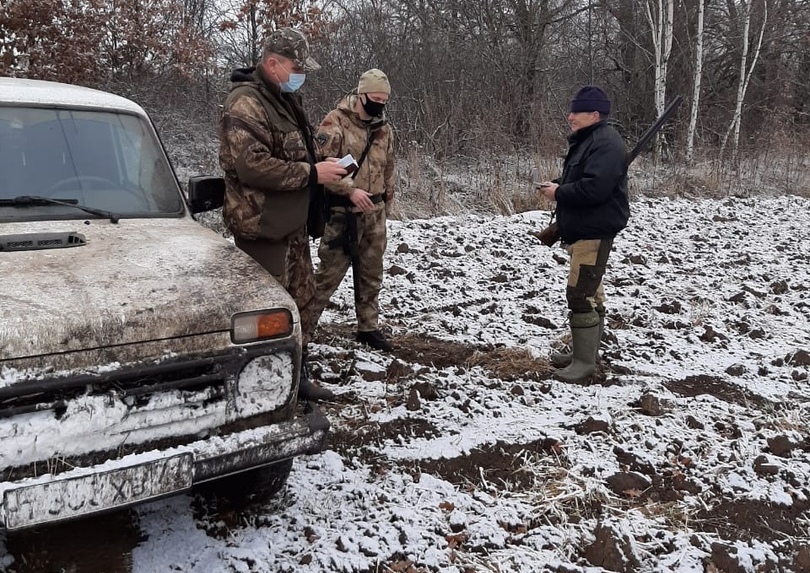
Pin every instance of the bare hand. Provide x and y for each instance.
(329, 171)
(548, 190)
(362, 200)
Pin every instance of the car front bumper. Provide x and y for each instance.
(141, 477)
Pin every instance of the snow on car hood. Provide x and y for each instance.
(135, 281)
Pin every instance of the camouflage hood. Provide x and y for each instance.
(347, 105)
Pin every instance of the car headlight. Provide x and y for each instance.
(264, 384)
(261, 325)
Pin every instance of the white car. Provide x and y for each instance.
(140, 352)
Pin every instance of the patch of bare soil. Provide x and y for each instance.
(423, 349)
(410, 348)
(696, 385)
(502, 465)
(752, 519)
(358, 436)
(504, 363)
(353, 443)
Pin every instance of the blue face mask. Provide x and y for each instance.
(293, 84)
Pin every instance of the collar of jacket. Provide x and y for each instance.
(582, 134)
(240, 75)
(346, 105)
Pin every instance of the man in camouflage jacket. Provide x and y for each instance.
(268, 154)
(355, 233)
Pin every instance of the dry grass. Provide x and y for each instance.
(501, 184)
(510, 363)
(494, 184)
(714, 178)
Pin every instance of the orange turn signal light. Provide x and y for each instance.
(261, 325)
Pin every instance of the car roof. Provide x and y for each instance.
(54, 94)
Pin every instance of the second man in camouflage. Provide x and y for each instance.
(356, 232)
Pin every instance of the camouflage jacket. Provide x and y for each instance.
(267, 154)
(341, 132)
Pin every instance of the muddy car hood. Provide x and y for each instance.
(135, 281)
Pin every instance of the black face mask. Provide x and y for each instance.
(373, 108)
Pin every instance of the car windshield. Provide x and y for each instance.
(99, 159)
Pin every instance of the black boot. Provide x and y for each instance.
(309, 392)
(375, 339)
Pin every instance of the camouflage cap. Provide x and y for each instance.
(373, 81)
(291, 44)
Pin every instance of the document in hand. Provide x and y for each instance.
(348, 163)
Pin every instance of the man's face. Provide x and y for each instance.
(280, 68)
(379, 97)
(580, 119)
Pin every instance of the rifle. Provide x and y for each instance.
(551, 234)
(653, 130)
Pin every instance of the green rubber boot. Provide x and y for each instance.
(563, 359)
(585, 342)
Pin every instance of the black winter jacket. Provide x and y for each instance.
(592, 194)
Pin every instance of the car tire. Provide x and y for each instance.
(258, 484)
(269, 480)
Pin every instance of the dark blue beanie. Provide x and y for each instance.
(591, 98)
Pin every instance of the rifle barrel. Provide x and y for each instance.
(653, 129)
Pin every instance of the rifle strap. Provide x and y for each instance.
(365, 152)
(350, 246)
(339, 200)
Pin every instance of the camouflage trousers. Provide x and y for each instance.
(291, 264)
(584, 291)
(335, 261)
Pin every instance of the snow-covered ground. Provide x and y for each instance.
(689, 452)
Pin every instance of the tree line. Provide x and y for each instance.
(468, 76)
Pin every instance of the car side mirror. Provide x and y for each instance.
(205, 192)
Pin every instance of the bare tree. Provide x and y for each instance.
(746, 70)
(697, 78)
(244, 23)
(660, 15)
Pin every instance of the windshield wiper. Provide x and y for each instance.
(34, 200)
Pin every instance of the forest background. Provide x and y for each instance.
(480, 87)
